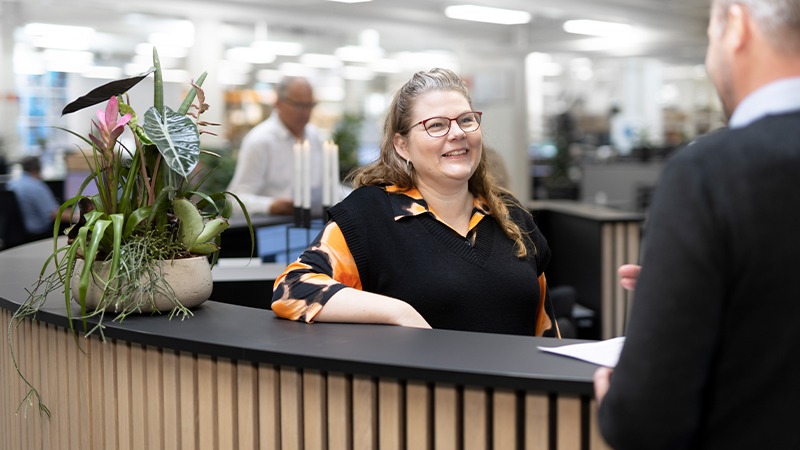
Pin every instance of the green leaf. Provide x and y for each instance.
(187, 101)
(176, 137)
(134, 219)
(191, 221)
(204, 249)
(212, 229)
(105, 92)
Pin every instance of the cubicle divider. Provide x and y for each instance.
(125, 395)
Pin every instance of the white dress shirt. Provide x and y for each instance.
(778, 97)
(264, 169)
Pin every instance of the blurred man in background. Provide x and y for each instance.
(36, 202)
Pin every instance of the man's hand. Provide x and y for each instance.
(282, 207)
(602, 381)
(629, 274)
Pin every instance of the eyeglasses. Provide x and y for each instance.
(299, 105)
(440, 126)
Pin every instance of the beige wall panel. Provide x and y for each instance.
(138, 396)
(226, 411)
(124, 396)
(390, 414)
(418, 415)
(568, 434)
(537, 421)
(247, 404)
(476, 418)
(189, 410)
(94, 359)
(365, 413)
(154, 392)
(608, 272)
(340, 429)
(206, 402)
(596, 441)
(269, 407)
(171, 379)
(291, 409)
(109, 386)
(445, 417)
(505, 419)
(315, 420)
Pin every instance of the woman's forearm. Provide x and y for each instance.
(354, 306)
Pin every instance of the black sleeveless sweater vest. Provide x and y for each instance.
(454, 285)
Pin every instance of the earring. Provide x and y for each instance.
(407, 171)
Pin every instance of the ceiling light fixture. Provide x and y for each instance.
(596, 28)
(350, 1)
(489, 15)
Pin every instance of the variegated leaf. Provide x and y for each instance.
(176, 137)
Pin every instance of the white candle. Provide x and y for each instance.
(335, 190)
(326, 174)
(306, 175)
(297, 195)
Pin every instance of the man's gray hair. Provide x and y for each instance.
(779, 20)
(282, 89)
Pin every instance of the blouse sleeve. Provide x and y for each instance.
(325, 268)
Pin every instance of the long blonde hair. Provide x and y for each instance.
(390, 168)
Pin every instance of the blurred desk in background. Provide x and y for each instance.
(588, 244)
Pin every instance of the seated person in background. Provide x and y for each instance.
(711, 355)
(427, 238)
(264, 176)
(37, 204)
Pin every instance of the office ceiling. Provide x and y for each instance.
(671, 30)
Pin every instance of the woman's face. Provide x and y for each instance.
(440, 162)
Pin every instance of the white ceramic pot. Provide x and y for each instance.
(190, 278)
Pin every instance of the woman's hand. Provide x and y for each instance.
(629, 274)
(411, 318)
(602, 381)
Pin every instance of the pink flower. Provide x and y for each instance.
(110, 128)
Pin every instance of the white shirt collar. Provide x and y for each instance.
(778, 97)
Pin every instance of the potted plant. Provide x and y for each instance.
(148, 219)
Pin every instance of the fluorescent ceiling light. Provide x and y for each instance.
(61, 42)
(249, 55)
(164, 51)
(235, 66)
(269, 76)
(596, 28)
(386, 65)
(278, 47)
(103, 72)
(357, 53)
(329, 93)
(290, 69)
(350, 1)
(321, 61)
(170, 39)
(357, 73)
(486, 14)
(68, 56)
(232, 78)
(48, 29)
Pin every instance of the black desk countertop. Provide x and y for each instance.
(241, 333)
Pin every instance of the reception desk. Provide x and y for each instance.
(232, 377)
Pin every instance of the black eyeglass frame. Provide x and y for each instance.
(449, 123)
(299, 105)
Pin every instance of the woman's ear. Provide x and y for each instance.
(401, 145)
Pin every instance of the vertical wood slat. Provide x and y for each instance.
(315, 420)
(226, 404)
(365, 413)
(568, 421)
(36, 420)
(138, 372)
(73, 388)
(109, 386)
(84, 392)
(247, 403)
(189, 413)
(291, 411)
(63, 340)
(50, 374)
(607, 282)
(476, 418)
(269, 407)
(154, 392)
(505, 418)
(619, 292)
(206, 402)
(537, 421)
(124, 396)
(419, 434)
(171, 396)
(5, 382)
(30, 358)
(633, 238)
(95, 360)
(445, 417)
(596, 441)
(340, 436)
(390, 414)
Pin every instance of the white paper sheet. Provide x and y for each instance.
(603, 353)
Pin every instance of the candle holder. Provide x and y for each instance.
(298, 216)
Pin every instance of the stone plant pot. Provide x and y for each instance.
(190, 278)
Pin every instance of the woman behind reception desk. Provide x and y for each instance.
(428, 238)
